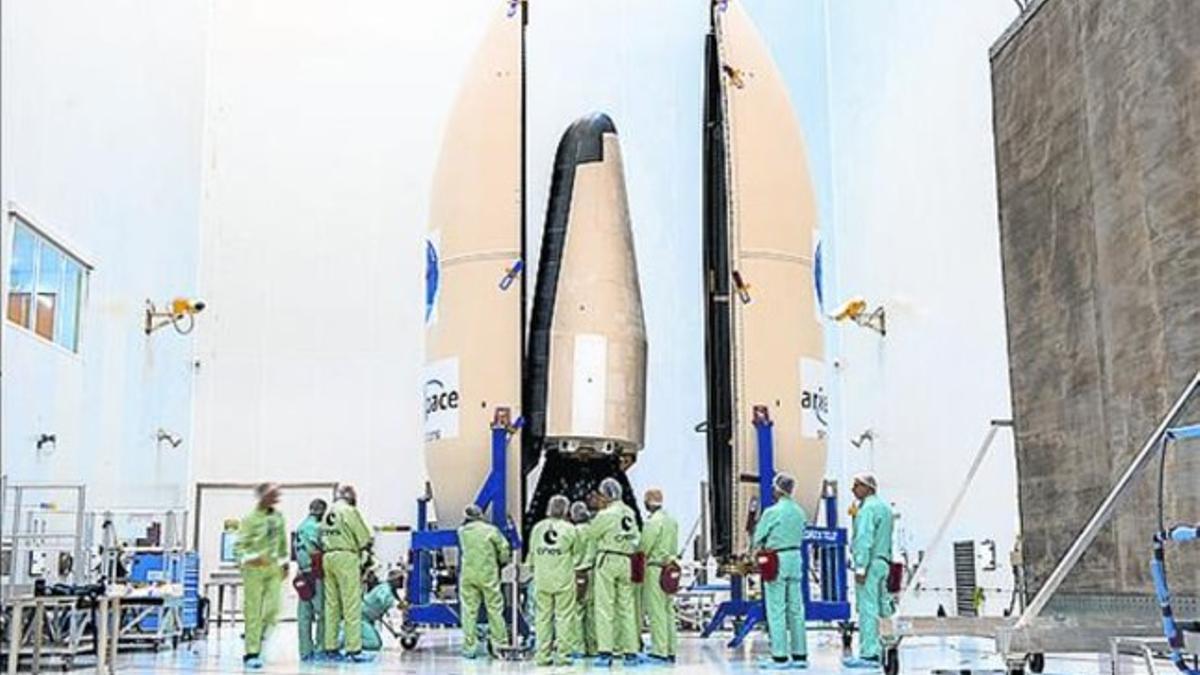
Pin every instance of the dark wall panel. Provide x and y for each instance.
(1097, 122)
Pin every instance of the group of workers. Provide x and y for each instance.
(778, 544)
(596, 578)
(335, 622)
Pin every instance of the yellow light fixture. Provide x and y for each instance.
(179, 310)
(855, 309)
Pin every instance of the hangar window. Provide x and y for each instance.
(45, 286)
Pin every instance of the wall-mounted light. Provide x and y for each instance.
(855, 309)
(174, 315)
(867, 436)
(169, 438)
(989, 545)
(47, 439)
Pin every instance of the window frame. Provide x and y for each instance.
(19, 218)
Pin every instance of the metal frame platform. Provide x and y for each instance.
(1024, 640)
(422, 609)
(833, 604)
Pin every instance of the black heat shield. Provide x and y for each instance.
(718, 337)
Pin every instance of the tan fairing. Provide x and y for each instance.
(597, 381)
(773, 220)
(473, 335)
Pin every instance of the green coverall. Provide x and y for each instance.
(660, 542)
(344, 536)
(584, 625)
(554, 551)
(872, 551)
(378, 602)
(484, 552)
(616, 535)
(262, 548)
(781, 529)
(309, 613)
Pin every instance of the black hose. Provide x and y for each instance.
(1162, 472)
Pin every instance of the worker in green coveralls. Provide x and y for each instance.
(309, 612)
(584, 626)
(484, 552)
(660, 543)
(553, 555)
(616, 537)
(262, 551)
(344, 538)
(871, 549)
(781, 529)
(377, 603)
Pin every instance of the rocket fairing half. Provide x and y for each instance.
(474, 323)
(585, 388)
(763, 333)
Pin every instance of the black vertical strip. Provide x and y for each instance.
(718, 337)
(520, 496)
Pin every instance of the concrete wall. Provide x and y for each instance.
(102, 116)
(915, 231)
(1098, 145)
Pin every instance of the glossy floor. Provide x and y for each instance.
(438, 653)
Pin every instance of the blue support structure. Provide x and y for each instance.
(422, 610)
(1172, 629)
(826, 545)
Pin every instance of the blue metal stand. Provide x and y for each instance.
(422, 610)
(1172, 630)
(825, 545)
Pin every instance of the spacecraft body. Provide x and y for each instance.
(474, 322)
(578, 382)
(585, 373)
(763, 333)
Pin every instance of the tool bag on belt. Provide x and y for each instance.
(637, 567)
(670, 577)
(895, 577)
(767, 562)
(305, 585)
(318, 564)
(581, 584)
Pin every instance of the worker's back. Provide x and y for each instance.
(660, 537)
(484, 552)
(554, 550)
(615, 529)
(308, 541)
(587, 544)
(344, 529)
(781, 528)
(378, 601)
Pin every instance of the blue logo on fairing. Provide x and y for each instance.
(817, 279)
(431, 278)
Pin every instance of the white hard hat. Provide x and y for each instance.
(784, 483)
(579, 512)
(557, 507)
(610, 488)
(867, 479)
